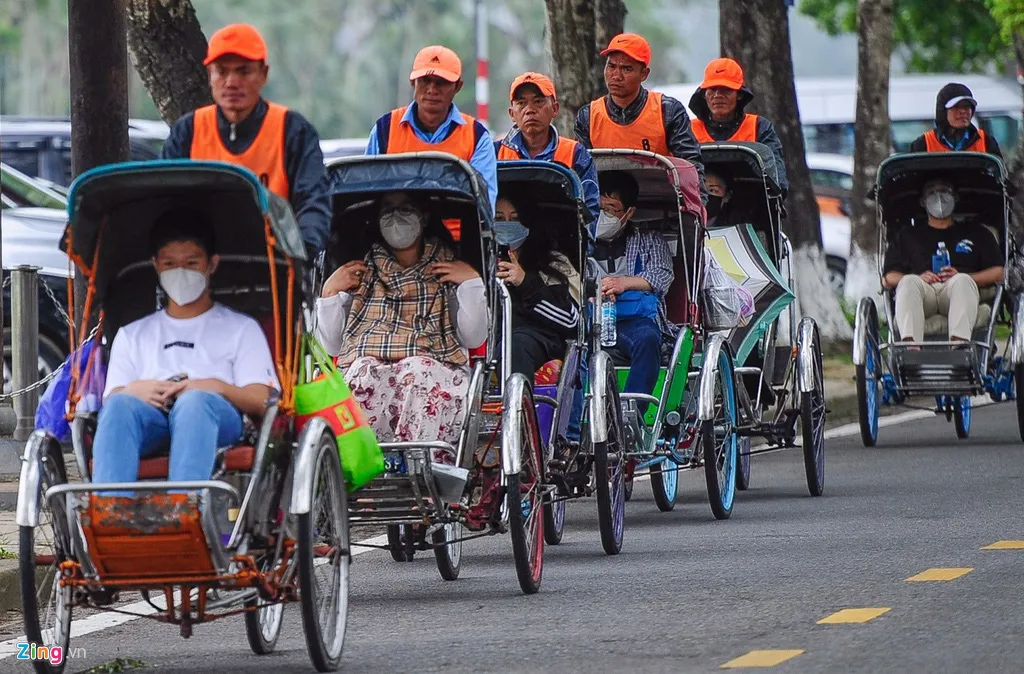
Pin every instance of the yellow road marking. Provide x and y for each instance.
(762, 659)
(940, 574)
(1005, 545)
(853, 615)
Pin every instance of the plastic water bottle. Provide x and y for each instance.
(941, 258)
(608, 318)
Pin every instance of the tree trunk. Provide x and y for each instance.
(577, 31)
(871, 129)
(756, 33)
(1016, 163)
(168, 48)
(99, 93)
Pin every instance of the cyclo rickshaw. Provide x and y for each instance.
(427, 505)
(691, 416)
(891, 371)
(592, 466)
(270, 526)
(780, 391)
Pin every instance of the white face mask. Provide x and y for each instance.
(939, 204)
(608, 226)
(183, 286)
(400, 230)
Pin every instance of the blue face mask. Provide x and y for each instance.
(510, 233)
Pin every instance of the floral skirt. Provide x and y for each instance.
(416, 398)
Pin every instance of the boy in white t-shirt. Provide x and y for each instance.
(223, 356)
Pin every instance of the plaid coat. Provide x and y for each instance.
(397, 313)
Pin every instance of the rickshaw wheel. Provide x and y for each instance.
(524, 501)
(743, 464)
(962, 416)
(325, 526)
(867, 375)
(399, 537)
(665, 485)
(263, 626)
(812, 422)
(629, 474)
(53, 627)
(1018, 392)
(719, 442)
(448, 550)
(554, 522)
(610, 472)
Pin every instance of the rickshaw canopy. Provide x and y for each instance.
(555, 196)
(980, 181)
(666, 183)
(457, 196)
(743, 163)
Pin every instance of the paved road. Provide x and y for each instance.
(689, 594)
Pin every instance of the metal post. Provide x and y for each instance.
(25, 345)
(482, 63)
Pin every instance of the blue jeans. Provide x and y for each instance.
(639, 339)
(130, 429)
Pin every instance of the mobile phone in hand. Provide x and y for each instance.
(503, 253)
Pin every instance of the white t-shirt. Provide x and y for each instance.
(218, 344)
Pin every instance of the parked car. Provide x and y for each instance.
(832, 179)
(33, 223)
(342, 147)
(40, 147)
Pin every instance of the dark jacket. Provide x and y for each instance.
(722, 131)
(678, 135)
(546, 305)
(303, 163)
(954, 139)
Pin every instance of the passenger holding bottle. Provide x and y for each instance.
(940, 267)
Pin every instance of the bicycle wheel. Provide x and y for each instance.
(718, 441)
(324, 576)
(524, 494)
(448, 550)
(263, 624)
(743, 464)
(665, 484)
(554, 522)
(46, 606)
(962, 416)
(812, 422)
(609, 472)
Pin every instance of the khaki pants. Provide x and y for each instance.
(957, 299)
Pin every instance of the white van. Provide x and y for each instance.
(828, 108)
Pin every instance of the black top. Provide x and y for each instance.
(972, 248)
(303, 163)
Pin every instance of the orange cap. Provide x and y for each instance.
(723, 72)
(632, 45)
(542, 82)
(238, 38)
(439, 61)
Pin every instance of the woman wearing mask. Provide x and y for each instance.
(389, 319)
(544, 286)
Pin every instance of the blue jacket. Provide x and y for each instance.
(582, 164)
(303, 163)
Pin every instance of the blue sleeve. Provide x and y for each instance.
(307, 177)
(179, 143)
(581, 128)
(584, 166)
(485, 161)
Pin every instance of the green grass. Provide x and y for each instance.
(116, 665)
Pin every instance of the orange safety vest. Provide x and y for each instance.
(933, 144)
(747, 133)
(402, 138)
(564, 152)
(647, 132)
(265, 157)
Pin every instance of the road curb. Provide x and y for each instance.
(10, 585)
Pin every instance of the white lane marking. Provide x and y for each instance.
(103, 621)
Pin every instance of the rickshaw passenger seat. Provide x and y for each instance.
(237, 459)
